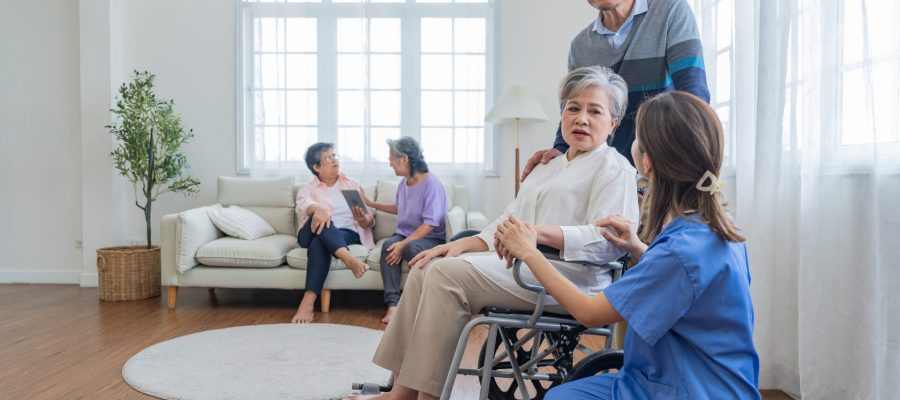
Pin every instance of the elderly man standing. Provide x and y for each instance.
(653, 44)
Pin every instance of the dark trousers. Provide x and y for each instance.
(390, 274)
(319, 250)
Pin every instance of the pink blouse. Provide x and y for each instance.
(315, 193)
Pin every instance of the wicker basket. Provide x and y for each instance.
(128, 272)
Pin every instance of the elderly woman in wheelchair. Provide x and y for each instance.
(687, 302)
(561, 200)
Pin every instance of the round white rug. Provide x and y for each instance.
(281, 361)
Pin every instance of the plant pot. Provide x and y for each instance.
(128, 272)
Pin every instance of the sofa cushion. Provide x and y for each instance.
(374, 259)
(277, 192)
(271, 199)
(240, 223)
(269, 251)
(193, 229)
(385, 224)
(297, 258)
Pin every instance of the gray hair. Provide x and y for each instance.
(596, 76)
(407, 146)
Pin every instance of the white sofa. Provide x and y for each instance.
(197, 254)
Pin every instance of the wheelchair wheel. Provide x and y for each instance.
(508, 388)
(599, 362)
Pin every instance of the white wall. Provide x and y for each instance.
(40, 178)
(190, 46)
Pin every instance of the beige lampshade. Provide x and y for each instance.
(515, 102)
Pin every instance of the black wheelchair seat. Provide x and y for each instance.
(494, 310)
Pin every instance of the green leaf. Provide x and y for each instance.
(148, 137)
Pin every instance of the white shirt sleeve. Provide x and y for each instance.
(614, 192)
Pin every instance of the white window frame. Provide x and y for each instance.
(706, 10)
(852, 158)
(327, 62)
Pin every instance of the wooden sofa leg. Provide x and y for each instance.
(325, 299)
(173, 296)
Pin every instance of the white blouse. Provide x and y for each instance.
(573, 195)
(342, 216)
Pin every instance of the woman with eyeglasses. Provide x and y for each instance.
(328, 224)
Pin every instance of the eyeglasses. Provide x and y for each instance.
(332, 158)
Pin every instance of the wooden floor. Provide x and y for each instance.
(61, 342)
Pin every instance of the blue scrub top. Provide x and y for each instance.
(690, 319)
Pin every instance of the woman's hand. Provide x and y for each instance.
(514, 240)
(320, 220)
(395, 253)
(365, 198)
(451, 249)
(622, 233)
(362, 218)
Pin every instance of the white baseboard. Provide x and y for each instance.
(54, 277)
(89, 280)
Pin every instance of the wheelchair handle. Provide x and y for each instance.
(541, 291)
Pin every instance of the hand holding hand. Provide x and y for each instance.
(622, 233)
(516, 239)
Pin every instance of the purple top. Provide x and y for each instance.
(425, 203)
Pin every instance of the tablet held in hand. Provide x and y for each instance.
(354, 199)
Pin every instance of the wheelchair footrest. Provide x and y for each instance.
(367, 388)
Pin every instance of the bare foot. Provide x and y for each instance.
(389, 314)
(304, 313)
(358, 267)
(303, 316)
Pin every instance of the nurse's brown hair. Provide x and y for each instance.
(683, 137)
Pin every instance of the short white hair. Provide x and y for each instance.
(600, 77)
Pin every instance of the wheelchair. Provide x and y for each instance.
(527, 353)
(539, 359)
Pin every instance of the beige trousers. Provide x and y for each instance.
(437, 302)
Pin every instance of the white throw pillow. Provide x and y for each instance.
(240, 223)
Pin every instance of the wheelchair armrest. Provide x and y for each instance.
(541, 291)
(615, 266)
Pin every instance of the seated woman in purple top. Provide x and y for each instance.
(421, 207)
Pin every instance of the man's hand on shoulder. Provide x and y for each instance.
(539, 157)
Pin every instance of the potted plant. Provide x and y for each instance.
(148, 136)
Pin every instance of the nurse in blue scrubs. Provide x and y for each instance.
(687, 302)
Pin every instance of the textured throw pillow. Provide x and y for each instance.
(240, 223)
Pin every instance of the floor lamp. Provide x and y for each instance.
(516, 103)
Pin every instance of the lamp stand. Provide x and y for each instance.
(517, 157)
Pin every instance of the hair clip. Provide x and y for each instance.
(714, 186)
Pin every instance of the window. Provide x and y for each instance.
(793, 93)
(869, 72)
(715, 20)
(356, 73)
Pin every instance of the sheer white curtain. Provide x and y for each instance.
(817, 186)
